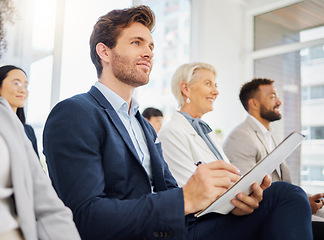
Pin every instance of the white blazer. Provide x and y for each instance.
(183, 147)
(42, 215)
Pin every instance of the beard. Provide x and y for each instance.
(126, 70)
(271, 116)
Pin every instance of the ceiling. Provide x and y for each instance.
(299, 16)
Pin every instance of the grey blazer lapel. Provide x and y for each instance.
(258, 134)
(285, 173)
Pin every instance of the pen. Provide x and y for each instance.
(198, 163)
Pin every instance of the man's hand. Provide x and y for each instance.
(247, 204)
(316, 202)
(207, 183)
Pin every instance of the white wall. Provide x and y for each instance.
(218, 35)
(222, 35)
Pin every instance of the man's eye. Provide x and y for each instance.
(135, 42)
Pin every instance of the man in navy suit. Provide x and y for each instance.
(106, 164)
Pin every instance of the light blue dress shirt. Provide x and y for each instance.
(131, 124)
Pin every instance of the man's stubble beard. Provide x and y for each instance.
(125, 70)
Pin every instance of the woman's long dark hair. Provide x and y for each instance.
(4, 70)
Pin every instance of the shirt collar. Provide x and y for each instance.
(263, 129)
(119, 104)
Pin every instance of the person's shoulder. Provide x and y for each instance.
(173, 129)
(244, 128)
(76, 103)
(240, 133)
(171, 125)
(78, 99)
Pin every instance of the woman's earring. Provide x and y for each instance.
(188, 100)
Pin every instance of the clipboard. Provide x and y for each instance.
(265, 166)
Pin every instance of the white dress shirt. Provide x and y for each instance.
(268, 137)
(131, 124)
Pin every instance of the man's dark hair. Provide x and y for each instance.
(249, 89)
(152, 112)
(108, 28)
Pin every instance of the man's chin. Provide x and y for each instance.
(276, 118)
(140, 83)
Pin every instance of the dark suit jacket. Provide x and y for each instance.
(95, 170)
(32, 137)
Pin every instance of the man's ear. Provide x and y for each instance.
(103, 52)
(253, 104)
(184, 87)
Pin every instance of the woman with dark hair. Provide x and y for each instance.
(14, 88)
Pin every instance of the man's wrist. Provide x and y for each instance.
(188, 206)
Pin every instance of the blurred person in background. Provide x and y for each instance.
(14, 88)
(29, 206)
(153, 116)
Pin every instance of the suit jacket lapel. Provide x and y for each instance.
(157, 170)
(113, 116)
(258, 134)
(285, 173)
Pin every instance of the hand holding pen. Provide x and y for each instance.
(243, 203)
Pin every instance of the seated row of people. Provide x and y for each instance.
(106, 163)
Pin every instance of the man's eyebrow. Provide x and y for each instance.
(142, 39)
(139, 38)
(20, 80)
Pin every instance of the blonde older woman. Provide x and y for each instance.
(186, 139)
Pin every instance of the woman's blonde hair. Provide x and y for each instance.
(185, 73)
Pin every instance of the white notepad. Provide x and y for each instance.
(265, 166)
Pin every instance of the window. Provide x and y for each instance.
(289, 45)
(52, 45)
(172, 27)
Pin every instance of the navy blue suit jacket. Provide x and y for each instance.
(96, 171)
(32, 137)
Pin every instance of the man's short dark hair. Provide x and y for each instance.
(152, 112)
(249, 89)
(108, 28)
